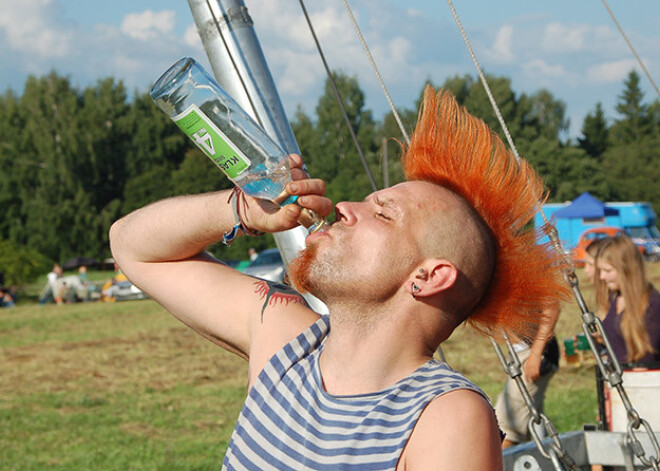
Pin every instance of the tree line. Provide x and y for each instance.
(75, 160)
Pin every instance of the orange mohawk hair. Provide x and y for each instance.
(457, 151)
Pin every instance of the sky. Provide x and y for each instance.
(570, 47)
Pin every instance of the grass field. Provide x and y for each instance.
(117, 386)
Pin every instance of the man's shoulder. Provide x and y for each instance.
(457, 430)
(461, 405)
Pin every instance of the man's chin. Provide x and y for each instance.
(300, 267)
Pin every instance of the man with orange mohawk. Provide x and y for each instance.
(399, 271)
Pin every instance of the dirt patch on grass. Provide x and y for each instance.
(155, 361)
(141, 430)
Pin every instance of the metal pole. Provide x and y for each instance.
(386, 166)
(239, 65)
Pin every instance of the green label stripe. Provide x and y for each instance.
(212, 141)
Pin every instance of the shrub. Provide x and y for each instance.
(21, 265)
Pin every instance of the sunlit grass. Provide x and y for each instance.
(112, 386)
(118, 386)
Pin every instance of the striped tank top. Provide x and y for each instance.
(288, 422)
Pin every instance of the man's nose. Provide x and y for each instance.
(347, 212)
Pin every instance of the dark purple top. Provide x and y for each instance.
(612, 326)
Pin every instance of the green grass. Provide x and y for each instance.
(119, 386)
(112, 386)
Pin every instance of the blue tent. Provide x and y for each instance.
(586, 206)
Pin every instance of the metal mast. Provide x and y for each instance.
(239, 65)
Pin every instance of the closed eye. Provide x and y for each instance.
(385, 206)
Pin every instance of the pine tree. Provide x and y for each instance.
(595, 133)
(634, 122)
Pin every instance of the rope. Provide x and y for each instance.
(607, 362)
(378, 76)
(641, 63)
(484, 82)
(340, 101)
(556, 452)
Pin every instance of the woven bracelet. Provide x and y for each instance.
(229, 236)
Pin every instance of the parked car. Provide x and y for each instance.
(268, 265)
(649, 238)
(125, 291)
(239, 265)
(588, 236)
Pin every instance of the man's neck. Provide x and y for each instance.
(370, 349)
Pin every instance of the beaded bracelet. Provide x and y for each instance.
(229, 236)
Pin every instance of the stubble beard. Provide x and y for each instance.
(321, 276)
(316, 274)
(326, 275)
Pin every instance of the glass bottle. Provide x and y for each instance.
(226, 134)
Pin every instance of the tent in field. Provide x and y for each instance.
(586, 206)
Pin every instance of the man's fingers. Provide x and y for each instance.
(312, 186)
(295, 161)
(319, 204)
(296, 166)
(284, 219)
(311, 193)
(298, 174)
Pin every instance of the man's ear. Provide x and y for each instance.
(432, 277)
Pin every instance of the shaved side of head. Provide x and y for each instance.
(455, 231)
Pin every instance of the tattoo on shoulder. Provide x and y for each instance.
(276, 293)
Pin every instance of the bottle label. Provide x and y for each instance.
(212, 141)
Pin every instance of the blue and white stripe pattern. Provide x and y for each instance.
(288, 422)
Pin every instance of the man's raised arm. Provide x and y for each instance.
(161, 248)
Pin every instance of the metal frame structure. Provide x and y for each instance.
(239, 66)
(585, 447)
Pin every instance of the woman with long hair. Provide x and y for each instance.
(631, 303)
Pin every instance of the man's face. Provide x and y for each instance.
(372, 247)
(609, 275)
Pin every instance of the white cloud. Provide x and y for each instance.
(300, 76)
(290, 49)
(148, 24)
(562, 38)
(191, 37)
(413, 13)
(614, 71)
(502, 49)
(539, 68)
(31, 28)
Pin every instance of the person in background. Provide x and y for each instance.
(253, 254)
(83, 291)
(630, 304)
(540, 361)
(51, 292)
(109, 287)
(6, 298)
(82, 274)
